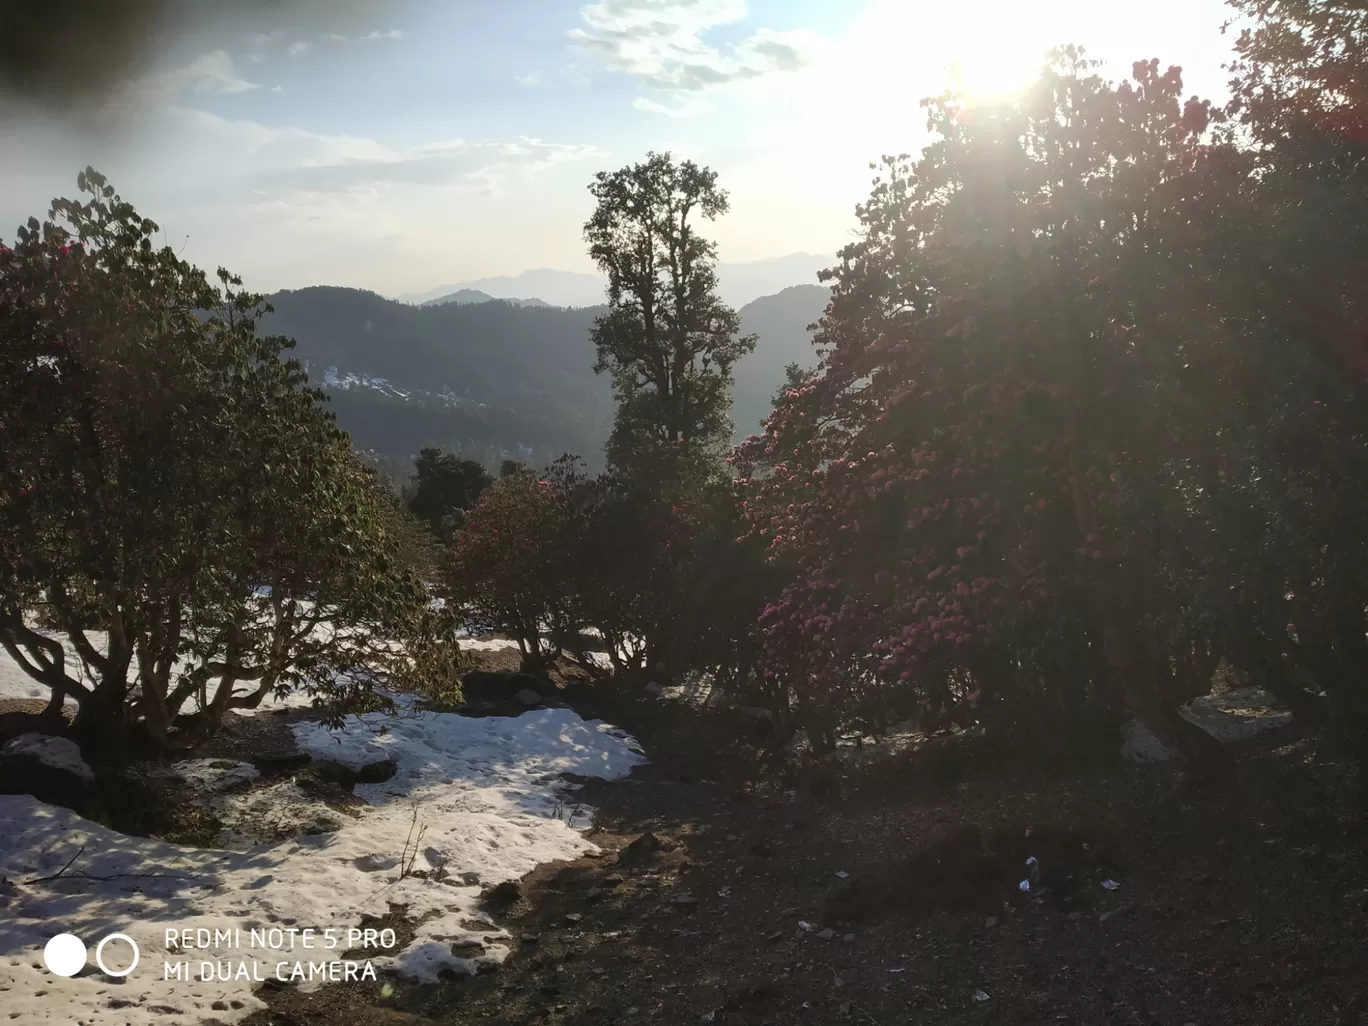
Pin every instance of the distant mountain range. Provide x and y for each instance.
(492, 379)
(738, 284)
(476, 296)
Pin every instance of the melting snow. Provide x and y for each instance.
(472, 800)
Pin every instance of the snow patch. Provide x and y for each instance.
(473, 799)
(487, 645)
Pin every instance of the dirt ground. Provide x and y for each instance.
(717, 899)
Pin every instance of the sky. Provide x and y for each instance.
(402, 145)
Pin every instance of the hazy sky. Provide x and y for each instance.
(436, 141)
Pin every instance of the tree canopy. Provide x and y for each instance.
(667, 340)
(173, 497)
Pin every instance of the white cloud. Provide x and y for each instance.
(282, 161)
(277, 89)
(298, 47)
(213, 72)
(532, 78)
(335, 37)
(484, 164)
(391, 34)
(687, 108)
(662, 45)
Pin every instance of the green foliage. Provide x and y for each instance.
(446, 486)
(167, 478)
(667, 340)
(1299, 73)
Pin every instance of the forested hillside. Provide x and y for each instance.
(492, 379)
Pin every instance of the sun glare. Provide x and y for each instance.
(986, 48)
(991, 68)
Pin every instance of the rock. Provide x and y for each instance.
(497, 690)
(573, 917)
(467, 944)
(654, 688)
(1140, 744)
(321, 824)
(593, 894)
(528, 938)
(331, 772)
(507, 893)
(827, 934)
(470, 879)
(528, 698)
(686, 901)
(377, 772)
(56, 753)
(48, 767)
(641, 848)
(278, 765)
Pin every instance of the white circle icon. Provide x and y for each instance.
(99, 955)
(65, 955)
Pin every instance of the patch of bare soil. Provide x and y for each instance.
(892, 900)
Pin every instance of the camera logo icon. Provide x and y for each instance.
(66, 955)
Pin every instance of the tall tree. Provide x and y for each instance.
(667, 340)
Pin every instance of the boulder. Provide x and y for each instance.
(48, 767)
(503, 693)
(331, 772)
(504, 894)
(1140, 744)
(377, 772)
(279, 764)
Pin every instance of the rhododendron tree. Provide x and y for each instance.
(174, 497)
(1290, 548)
(509, 565)
(968, 488)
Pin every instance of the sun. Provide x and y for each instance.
(982, 47)
(991, 68)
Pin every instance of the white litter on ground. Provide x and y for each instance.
(473, 800)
